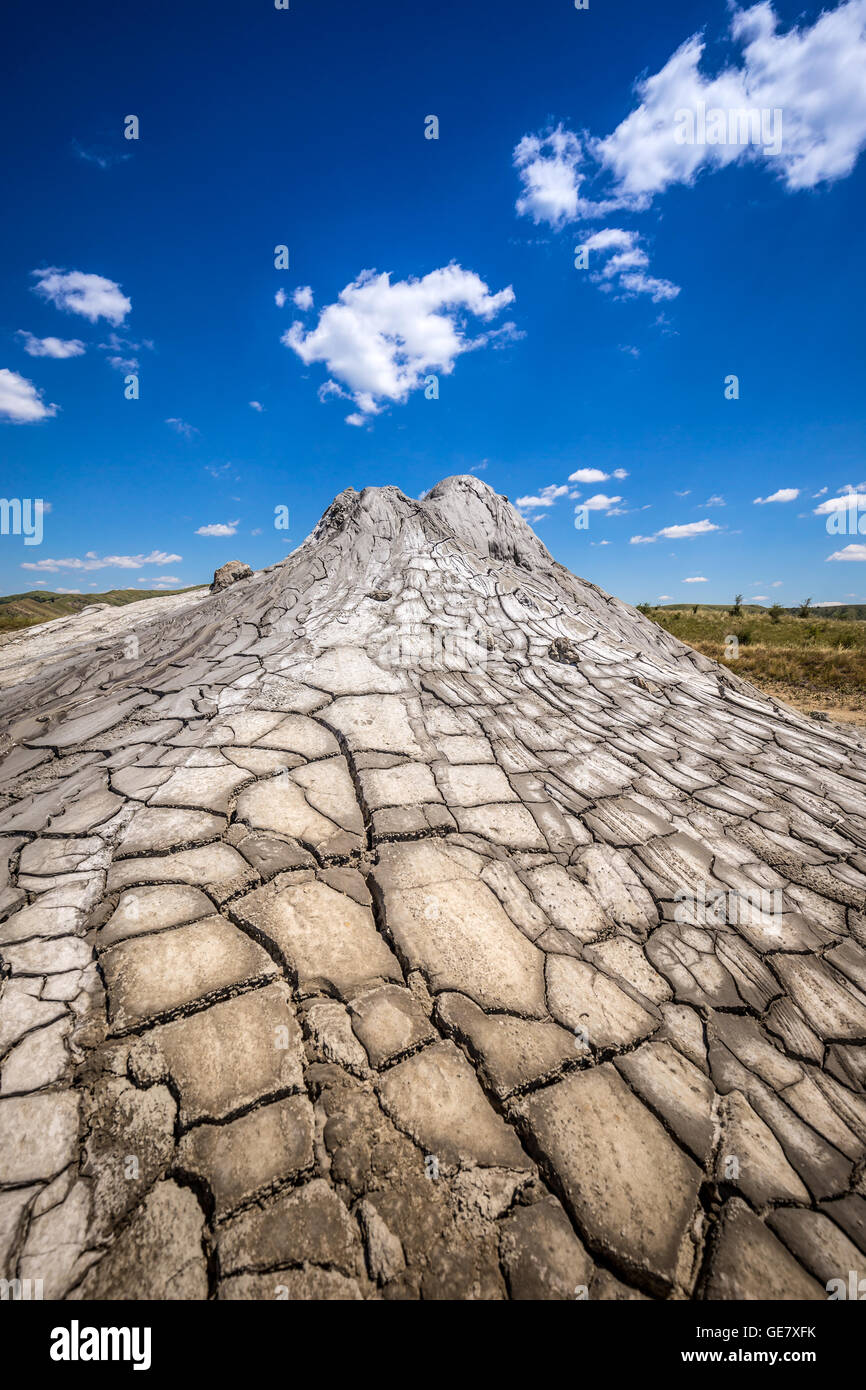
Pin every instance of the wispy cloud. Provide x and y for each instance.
(51, 347)
(546, 497)
(100, 155)
(92, 296)
(120, 352)
(92, 561)
(626, 264)
(181, 427)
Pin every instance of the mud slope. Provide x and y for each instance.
(413, 919)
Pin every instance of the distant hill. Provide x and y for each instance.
(40, 606)
(854, 611)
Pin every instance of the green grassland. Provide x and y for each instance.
(38, 606)
(816, 661)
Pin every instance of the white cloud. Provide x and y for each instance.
(91, 296)
(638, 283)
(793, 101)
(678, 533)
(303, 297)
(615, 239)
(547, 165)
(715, 501)
(595, 475)
(759, 598)
(851, 552)
(121, 350)
(545, 498)
(854, 500)
(814, 76)
(696, 579)
(599, 503)
(51, 347)
(20, 401)
(691, 528)
(67, 591)
(784, 494)
(218, 528)
(821, 492)
(181, 427)
(92, 561)
(280, 298)
(626, 265)
(257, 405)
(381, 339)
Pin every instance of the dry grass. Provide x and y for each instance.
(812, 663)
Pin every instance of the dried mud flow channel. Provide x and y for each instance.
(344, 950)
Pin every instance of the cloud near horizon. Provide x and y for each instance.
(92, 561)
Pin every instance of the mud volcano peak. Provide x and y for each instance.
(461, 507)
(423, 922)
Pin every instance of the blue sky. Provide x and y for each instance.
(306, 128)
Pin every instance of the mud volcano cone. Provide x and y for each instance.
(414, 919)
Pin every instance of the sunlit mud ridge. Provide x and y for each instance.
(414, 920)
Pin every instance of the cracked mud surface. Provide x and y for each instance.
(341, 959)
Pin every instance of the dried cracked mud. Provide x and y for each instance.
(377, 931)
